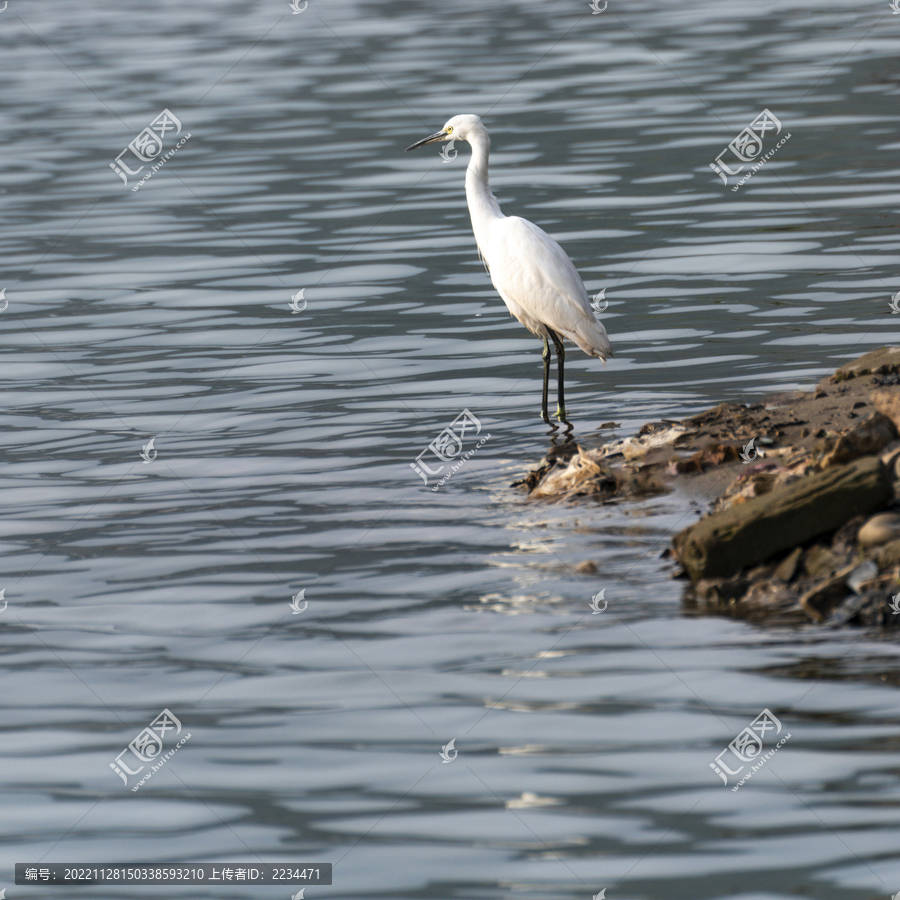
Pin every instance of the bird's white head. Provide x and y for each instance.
(459, 128)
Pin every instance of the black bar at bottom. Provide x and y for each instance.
(299, 874)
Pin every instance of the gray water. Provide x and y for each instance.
(285, 440)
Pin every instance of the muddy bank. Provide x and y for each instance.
(799, 493)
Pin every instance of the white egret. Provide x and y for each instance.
(537, 281)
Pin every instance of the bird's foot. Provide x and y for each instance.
(561, 414)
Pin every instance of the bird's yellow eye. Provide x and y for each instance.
(449, 129)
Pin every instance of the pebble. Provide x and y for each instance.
(879, 530)
(860, 575)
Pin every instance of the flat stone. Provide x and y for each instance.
(887, 402)
(737, 537)
(879, 530)
(787, 568)
(883, 361)
(864, 439)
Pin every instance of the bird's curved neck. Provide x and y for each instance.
(482, 203)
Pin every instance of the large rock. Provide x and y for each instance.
(725, 542)
(887, 402)
(867, 438)
(883, 361)
(879, 529)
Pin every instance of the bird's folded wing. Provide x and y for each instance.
(530, 268)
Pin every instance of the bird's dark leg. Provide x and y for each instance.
(560, 362)
(545, 356)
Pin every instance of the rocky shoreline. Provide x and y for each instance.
(803, 518)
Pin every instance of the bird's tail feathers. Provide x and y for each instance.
(591, 338)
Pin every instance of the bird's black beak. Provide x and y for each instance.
(437, 136)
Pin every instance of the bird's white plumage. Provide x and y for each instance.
(536, 279)
(541, 286)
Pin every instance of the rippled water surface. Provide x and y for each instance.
(285, 440)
